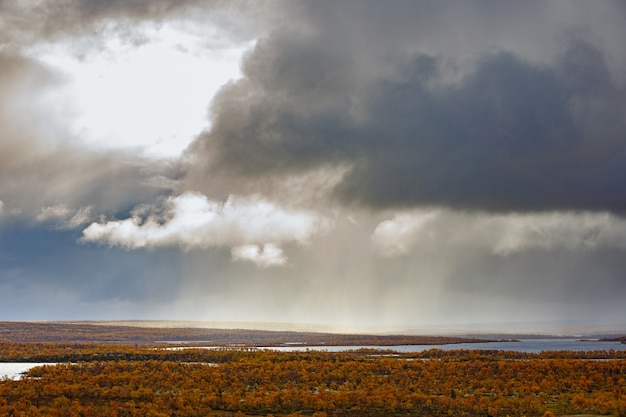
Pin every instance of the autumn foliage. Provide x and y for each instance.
(121, 380)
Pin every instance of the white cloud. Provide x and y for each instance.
(559, 230)
(1, 207)
(65, 217)
(191, 220)
(263, 256)
(396, 236)
(500, 234)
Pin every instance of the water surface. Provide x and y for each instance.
(14, 370)
(523, 345)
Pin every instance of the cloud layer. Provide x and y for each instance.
(429, 162)
(502, 131)
(502, 234)
(252, 225)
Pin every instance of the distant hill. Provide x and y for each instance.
(103, 332)
(621, 338)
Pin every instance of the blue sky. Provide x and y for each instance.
(344, 163)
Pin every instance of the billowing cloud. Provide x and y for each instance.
(508, 130)
(255, 226)
(500, 234)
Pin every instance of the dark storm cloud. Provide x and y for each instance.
(515, 126)
(505, 138)
(295, 126)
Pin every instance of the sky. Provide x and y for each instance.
(352, 163)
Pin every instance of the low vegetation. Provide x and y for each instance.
(106, 379)
(119, 380)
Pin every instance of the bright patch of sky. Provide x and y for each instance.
(150, 93)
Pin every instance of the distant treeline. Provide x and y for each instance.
(614, 339)
(59, 332)
(88, 352)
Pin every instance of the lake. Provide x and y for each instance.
(14, 370)
(523, 345)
